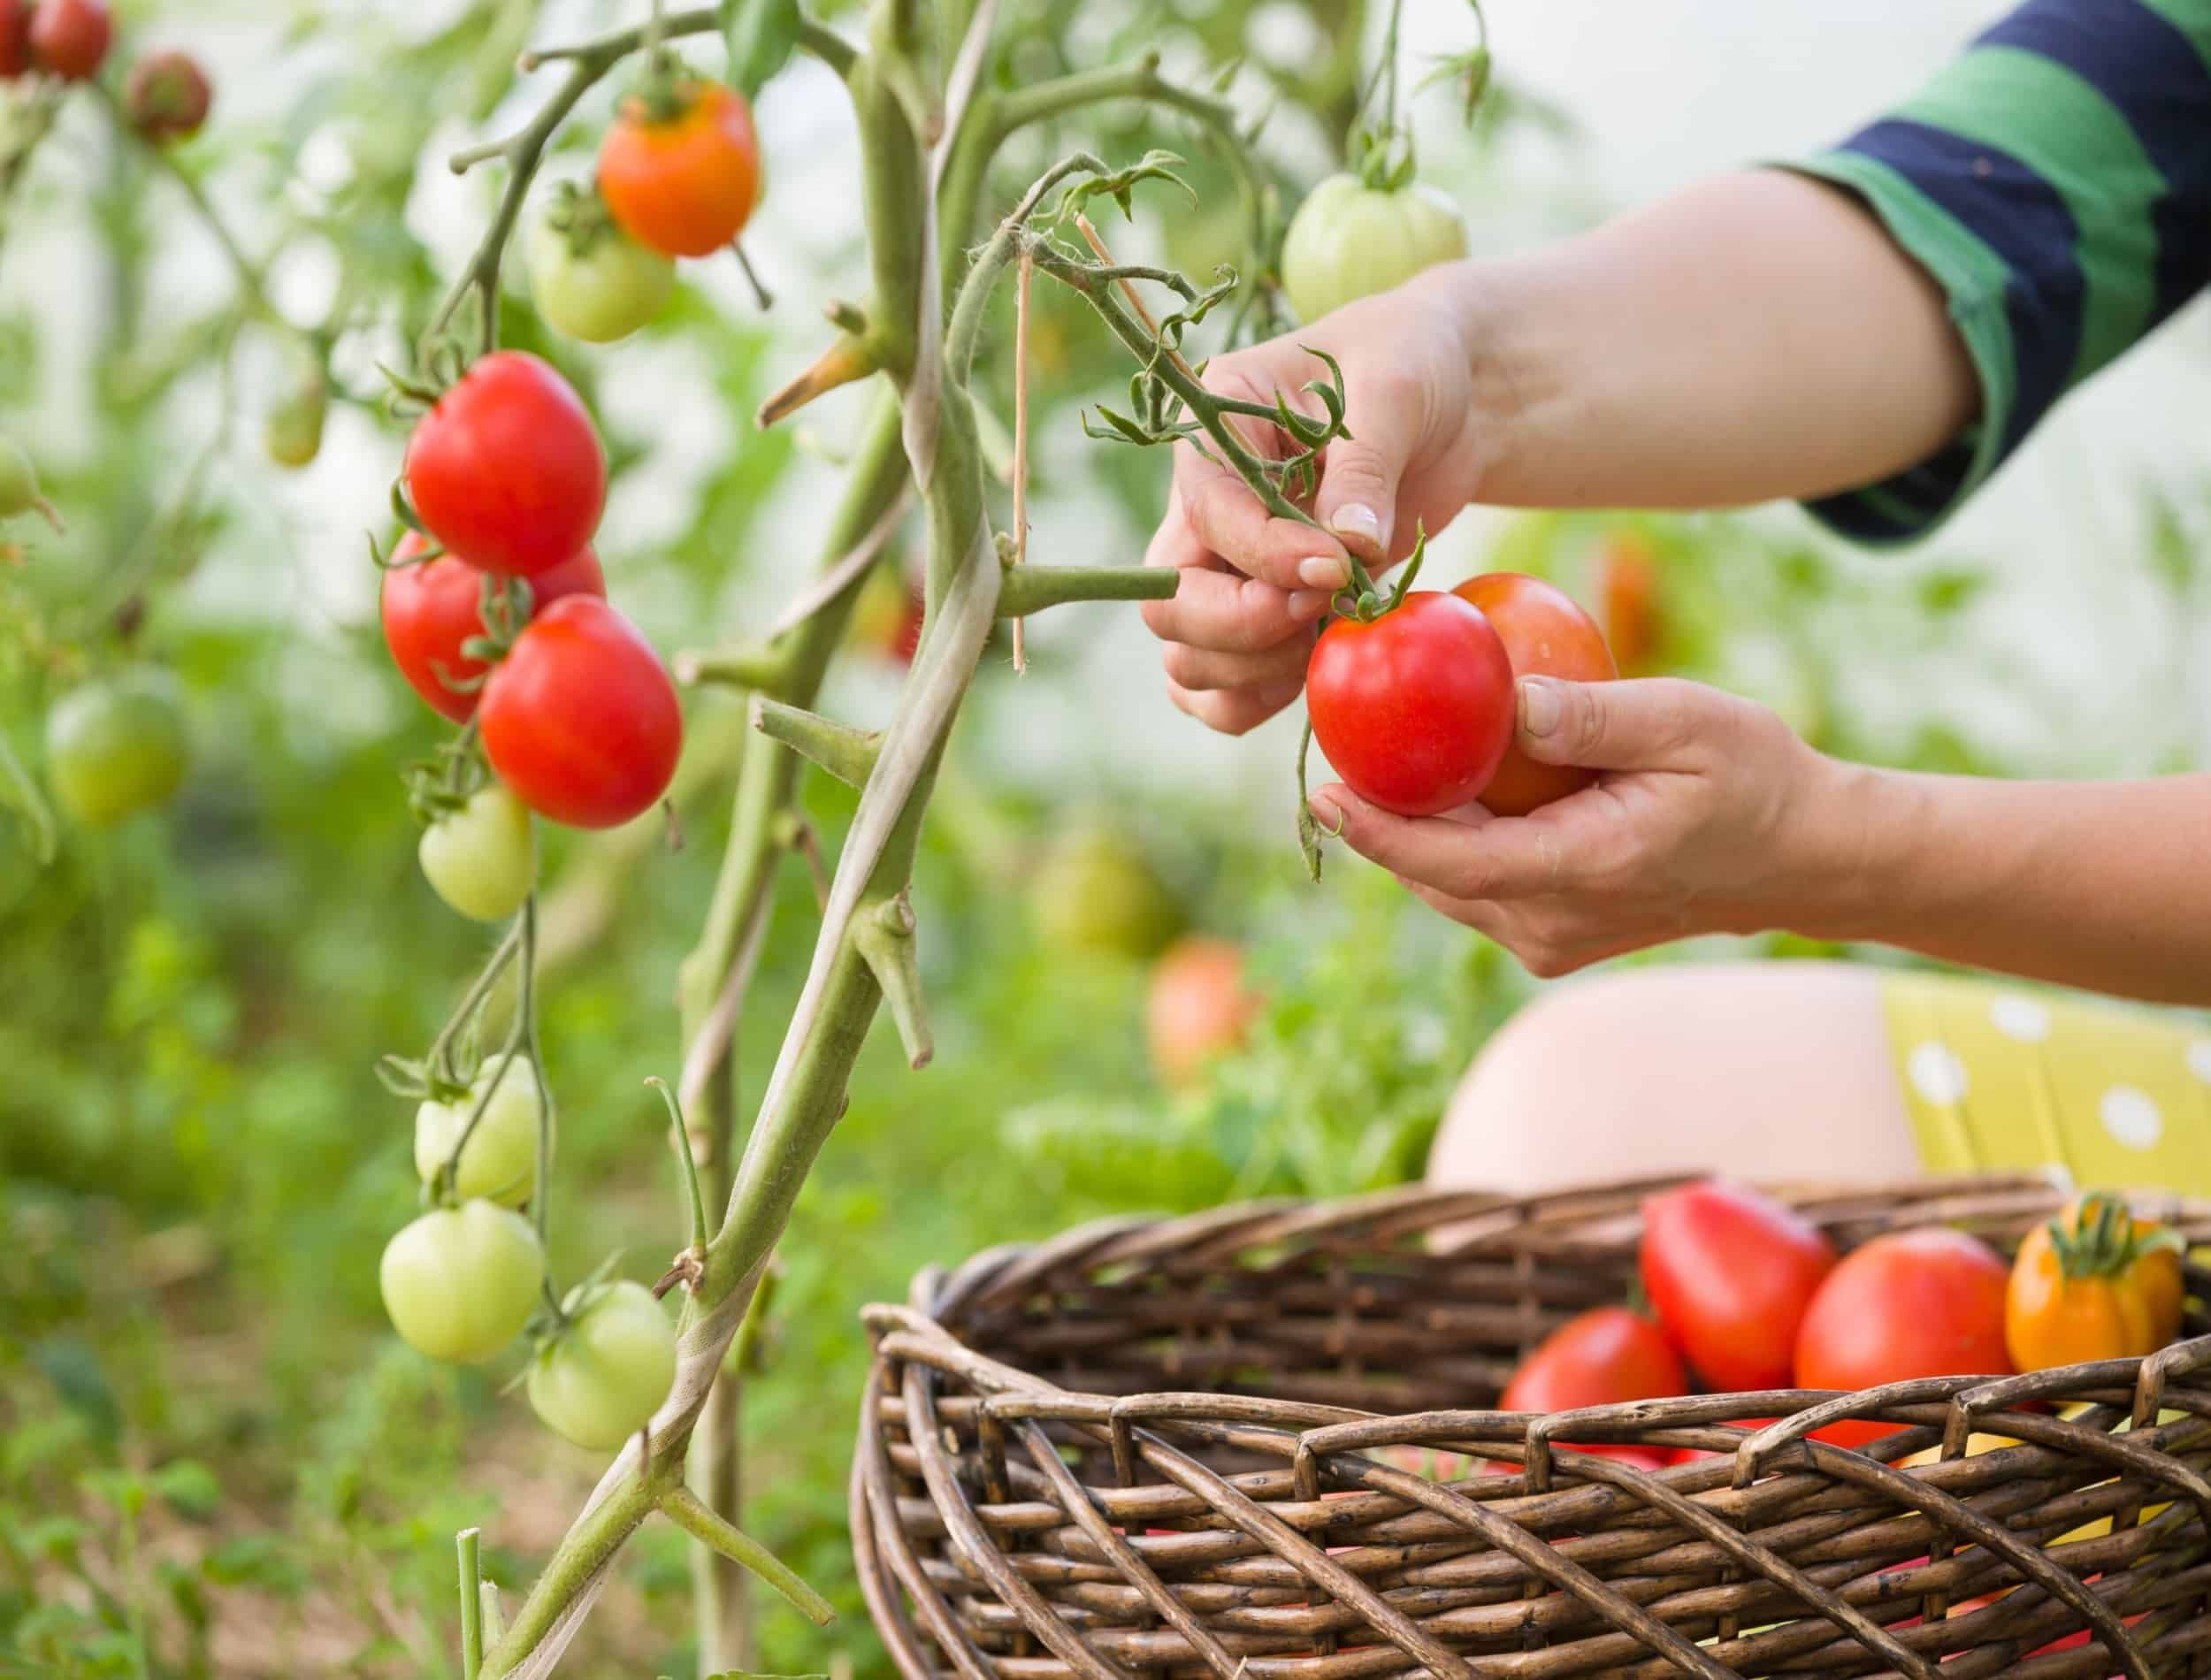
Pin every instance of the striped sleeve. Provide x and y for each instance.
(2056, 181)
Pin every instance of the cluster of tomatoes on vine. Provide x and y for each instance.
(494, 609)
(166, 95)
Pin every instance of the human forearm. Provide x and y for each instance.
(2094, 884)
(1751, 337)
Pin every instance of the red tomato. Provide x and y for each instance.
(15, 38)
(1413, 709)
(429, 610)
(1730, 1273)
(682, 182)
(1545, 634)
(167, 96)
(1628, 586)
(71, 37)
(1197, 1007)
(1914, 1303)
(580, 718)
(1600, 1358)
(506, 469)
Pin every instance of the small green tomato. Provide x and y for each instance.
(460, 1283)
(117, 746)
(591, 279)
(1350, 241)
(292, 432)
(482, 859)
(1095, 893)
(604, 1377)
(500, 1161)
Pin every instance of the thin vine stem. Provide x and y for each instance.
(699, 1228)
(472, 1000)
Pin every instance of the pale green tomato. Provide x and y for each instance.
(603, 291)
(1349, 241)
(500, 1161)
(482, 859)
(460, 1283)
(116, 746)
(604, 1377)
(1096, 892)
(292, 432)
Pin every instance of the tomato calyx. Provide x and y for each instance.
(581, 217)
(2104, 1240)
(664, 92)
(1362, 600)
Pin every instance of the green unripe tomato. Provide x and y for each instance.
(1350, 241)
(1096, 893)
(117, 745)
(482, 859)
(460, 1283)
(500, 1162)
(292, 432)
(591, 279)
(604, 1377)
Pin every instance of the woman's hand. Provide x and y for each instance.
(1708, 816)
(1254, 587)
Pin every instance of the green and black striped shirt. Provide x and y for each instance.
(2055, 180)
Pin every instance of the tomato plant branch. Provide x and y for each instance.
(471, 1604)
(689, 1166)
(1030, 589)
(684, 1509)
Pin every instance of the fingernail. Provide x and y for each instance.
(1325, 571)
(1540, 707)
(1325, 809)
(1356, 519)
(1306, 603)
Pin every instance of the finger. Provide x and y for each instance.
(1358, 497)
(1231, 521)
(1197, 667)
(1495, 857)
(1481, 916)
(1229, 613)
(1649, 723)
(1234, 711)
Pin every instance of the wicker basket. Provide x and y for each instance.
(1153, 1448)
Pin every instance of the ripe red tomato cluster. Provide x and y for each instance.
(1749, 1295)
(578, 716)
(167, 96)
(1414, 704)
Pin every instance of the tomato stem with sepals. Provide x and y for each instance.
(471, 1604)
(689, 1166)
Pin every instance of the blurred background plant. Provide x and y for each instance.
(214, 1458)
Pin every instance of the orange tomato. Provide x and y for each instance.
(1199, 1007)
(1545, 634)
(1628, 587)
(2094, 1283)
(681, 172)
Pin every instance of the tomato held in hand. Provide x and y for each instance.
(1545, 634)
(680, 168)
(431, 607)
(500, 1163)
(1351, 240)
(1198, 1008)
(1730, 1273)
(1913, 1303)
(482, 859)
(167, 96)
(71, 37)
(506, 469)
(1602, 1358)
(602, 1378)
(460, 1283)
(118, 747)
(1414, 708)
(580, 718)
(591, 279)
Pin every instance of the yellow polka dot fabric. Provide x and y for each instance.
(2000, 1078)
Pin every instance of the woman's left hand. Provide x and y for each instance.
(1707, 815)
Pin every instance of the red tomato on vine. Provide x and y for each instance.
(71, 37)
(680, 167)
(1413, 706)
(431, 609)
(580, 718)
(506, 469)
(1545, 634)
(167, 96)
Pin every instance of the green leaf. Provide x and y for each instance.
(762, 34)
(74, 1370)
(189, 1488)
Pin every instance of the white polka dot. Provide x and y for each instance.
(2020, 1017)
(1935, 1074)
(2199, 1058)
(2131, 1117)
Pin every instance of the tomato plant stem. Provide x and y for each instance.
(683, 1509)
(690, 1167)
(471, 1605)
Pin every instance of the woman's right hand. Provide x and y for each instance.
(1241, 626)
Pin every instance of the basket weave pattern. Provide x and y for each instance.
(1194, 1446)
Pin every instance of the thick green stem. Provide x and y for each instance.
(471, 1605)
(1030, 589)
(683, 1509)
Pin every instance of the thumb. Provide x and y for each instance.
(1358, 497)
(1652, 723)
